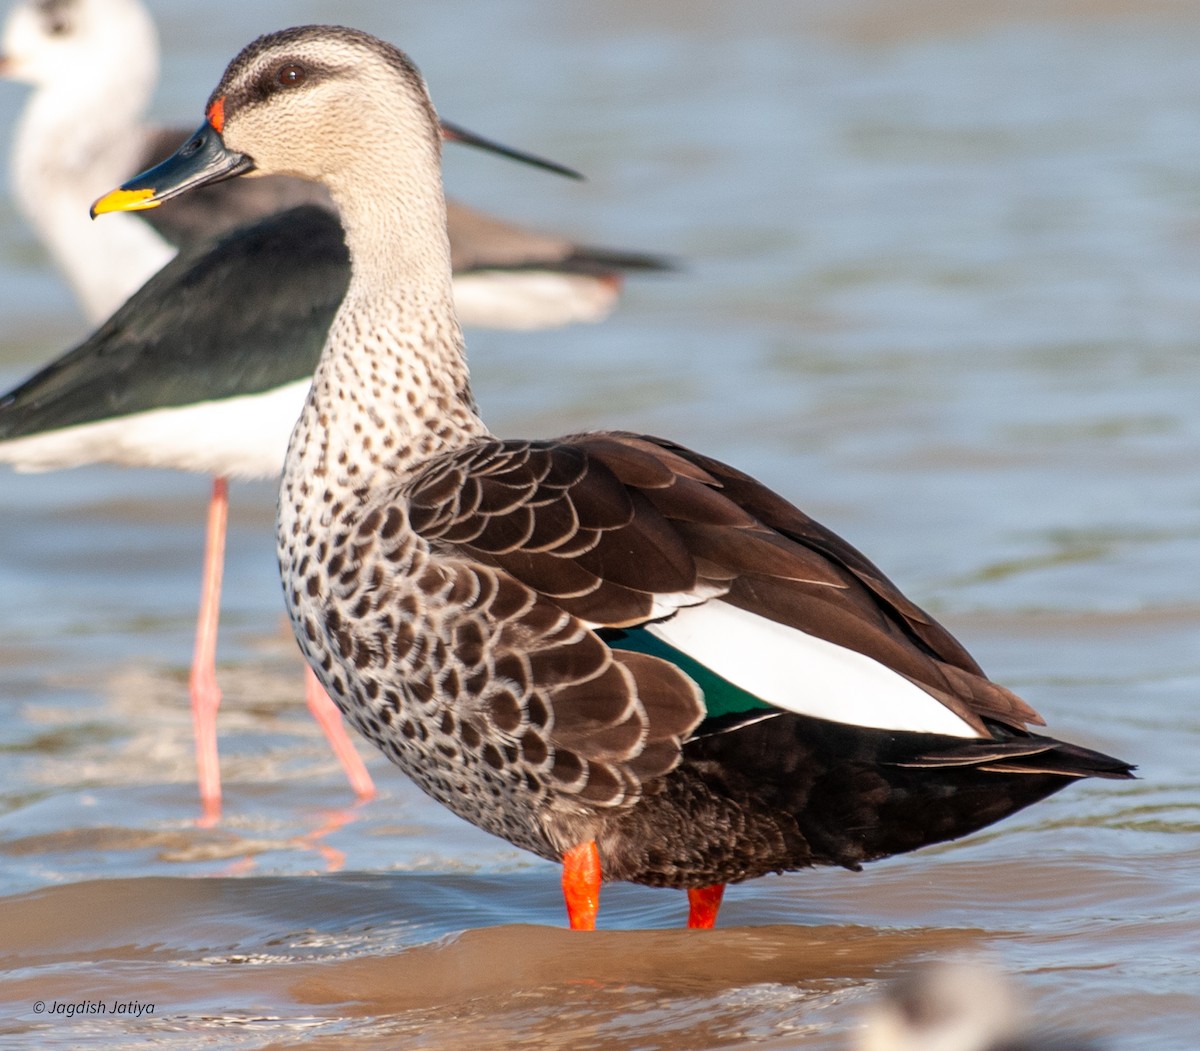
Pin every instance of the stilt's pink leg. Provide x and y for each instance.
(202, 684)
(330, 720)
(206, 694)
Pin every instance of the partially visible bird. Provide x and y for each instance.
(958, 1005)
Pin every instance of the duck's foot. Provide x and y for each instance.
(581, 885)
(703, 905)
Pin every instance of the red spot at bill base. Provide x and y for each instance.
(216, 114)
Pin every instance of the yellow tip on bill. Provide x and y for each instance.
(124, 201)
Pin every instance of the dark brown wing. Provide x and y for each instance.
(862, 610)
(617, 529)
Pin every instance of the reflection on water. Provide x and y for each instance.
(942, 290)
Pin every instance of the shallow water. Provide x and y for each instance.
(942, 288)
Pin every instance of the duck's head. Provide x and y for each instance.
(87, 46)
(325, 103)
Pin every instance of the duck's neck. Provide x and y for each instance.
(73, 144)
(391, 388)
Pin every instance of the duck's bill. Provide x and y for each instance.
(456, 133)
(203, 159)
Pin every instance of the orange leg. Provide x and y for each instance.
(581, 885)
(330, 720)
(202, 683)
(703, 905)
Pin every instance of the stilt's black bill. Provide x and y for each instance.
(456, 133)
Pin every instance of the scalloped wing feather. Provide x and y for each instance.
(616, 530)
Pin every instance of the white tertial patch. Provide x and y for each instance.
(667, 603)
(242, 437)
(804, 674)
(531, 299)
(662, 605)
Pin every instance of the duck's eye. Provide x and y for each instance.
(291, 75)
